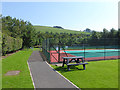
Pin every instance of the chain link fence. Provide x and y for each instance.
(103, 49)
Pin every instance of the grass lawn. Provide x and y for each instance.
(98, 74)
(0, 74)
(17, 61)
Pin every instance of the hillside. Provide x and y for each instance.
(54, 30)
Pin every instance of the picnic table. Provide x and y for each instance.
(79, 61)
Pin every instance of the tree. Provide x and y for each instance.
(58, 27)
(19, 28)
(113, 33)
(105, 33)
(87, 30)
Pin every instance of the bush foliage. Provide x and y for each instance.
(17, 34)
(10, 44)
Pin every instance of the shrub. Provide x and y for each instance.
(10, 44)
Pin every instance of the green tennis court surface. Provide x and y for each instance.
(94, 53)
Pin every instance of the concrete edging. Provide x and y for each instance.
(31, 74)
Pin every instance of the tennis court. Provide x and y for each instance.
(90, 55)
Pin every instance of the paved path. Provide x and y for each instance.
(44, 76)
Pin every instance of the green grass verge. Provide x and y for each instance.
(0, 74)
(55, 30)
(17, 61)
(98, 74)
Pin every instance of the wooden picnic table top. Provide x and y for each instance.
(72, 57)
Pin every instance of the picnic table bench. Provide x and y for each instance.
(79, 61)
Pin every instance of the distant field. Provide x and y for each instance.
(54, 30)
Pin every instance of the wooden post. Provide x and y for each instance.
(84, 66)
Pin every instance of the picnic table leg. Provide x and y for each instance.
(82, 60)
(68, 67)
(67, 61)
(77, 60)
(84, 66)
(63, 62)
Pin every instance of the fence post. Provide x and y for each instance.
(59, 51)
(84, 48)
(104, 46)
(46, 44)
(49, 51)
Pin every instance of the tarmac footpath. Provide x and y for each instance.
(43, 76)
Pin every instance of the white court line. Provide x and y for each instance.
(63, 76)
(31, 74)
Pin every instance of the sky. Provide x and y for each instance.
(69, 15)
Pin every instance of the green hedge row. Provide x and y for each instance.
(10, 44)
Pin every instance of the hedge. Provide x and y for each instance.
(10, 44)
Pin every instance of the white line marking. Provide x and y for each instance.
(31, 74)
(63, 76)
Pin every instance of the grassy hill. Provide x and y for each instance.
(54, 30)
